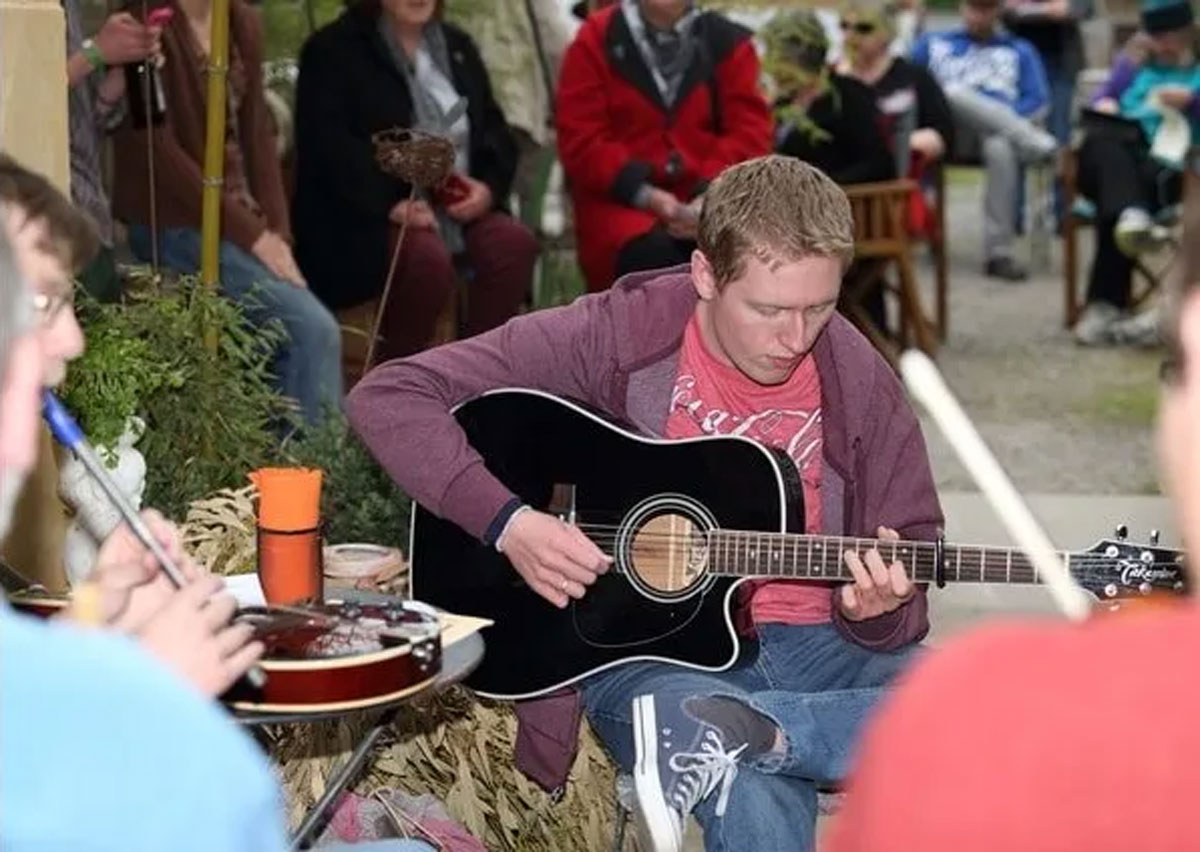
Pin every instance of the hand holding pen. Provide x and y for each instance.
(145, 584)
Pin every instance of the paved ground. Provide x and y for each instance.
(1073, 426)
(1060, 417)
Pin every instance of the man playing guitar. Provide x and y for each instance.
(744, 341)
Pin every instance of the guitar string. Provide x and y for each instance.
(922, 548)
(619, 529)
(1084, 568)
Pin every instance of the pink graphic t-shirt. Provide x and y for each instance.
(712, 398)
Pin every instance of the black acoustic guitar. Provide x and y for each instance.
(686, 521)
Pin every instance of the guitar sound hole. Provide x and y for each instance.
(669, 554)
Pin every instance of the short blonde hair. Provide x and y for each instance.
(776, 208)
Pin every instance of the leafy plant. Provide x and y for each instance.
(212, 415)
(359, 501)
(109, 382)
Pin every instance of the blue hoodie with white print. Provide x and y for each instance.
(1003, 66)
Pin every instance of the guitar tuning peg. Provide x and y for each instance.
(1154, 537)
(1122, 532)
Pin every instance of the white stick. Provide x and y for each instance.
(925, 382)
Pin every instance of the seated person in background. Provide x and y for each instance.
(823, 117)
(828, 120)
(655, 98)
(1053, 28)
(1010, 738)
(392, 63)
(907, 97)
(95, 104)
(996, 88)
(1118, 173)
(256, 265)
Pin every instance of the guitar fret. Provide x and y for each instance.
(748, 553)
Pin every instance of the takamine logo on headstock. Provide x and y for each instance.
(1116, 568)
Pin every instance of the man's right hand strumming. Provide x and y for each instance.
(554, 558)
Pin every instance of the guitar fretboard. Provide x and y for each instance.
(809, 557)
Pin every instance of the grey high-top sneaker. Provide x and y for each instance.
(669, 782)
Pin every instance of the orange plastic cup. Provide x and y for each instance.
(289, 498)
(289, 534)
(290, 566)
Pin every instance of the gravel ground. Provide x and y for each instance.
(1061, 418)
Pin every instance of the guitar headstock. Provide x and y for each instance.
(1116, 568)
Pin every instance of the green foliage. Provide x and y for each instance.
(212, 415)
(286, 24)
(106, 386)
(359, 501)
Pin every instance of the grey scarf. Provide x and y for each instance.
(667, 52)
(428, 114)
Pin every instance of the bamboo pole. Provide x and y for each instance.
(214, 153)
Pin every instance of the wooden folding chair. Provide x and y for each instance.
(881, 240)
(937, 247)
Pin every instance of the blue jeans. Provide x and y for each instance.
(309, 364)
(818, 687)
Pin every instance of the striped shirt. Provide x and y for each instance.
(86, 125)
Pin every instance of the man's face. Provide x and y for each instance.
(38, 358)
(664, 12)
(866, 37)
(54, 314)
(980, 18)
(413, 13)
(1171, 46)
(766, 320)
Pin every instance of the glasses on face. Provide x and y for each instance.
(48, 307)
(859, 27)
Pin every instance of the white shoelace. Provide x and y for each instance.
(701, 771)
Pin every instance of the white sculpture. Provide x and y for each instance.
(95, 517)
